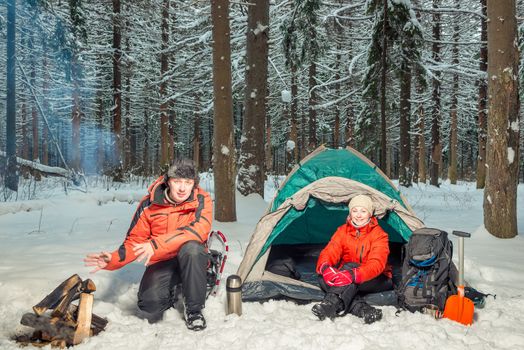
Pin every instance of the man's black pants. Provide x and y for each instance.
(157, 288)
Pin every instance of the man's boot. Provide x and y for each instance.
(362, 309)
(329, 307)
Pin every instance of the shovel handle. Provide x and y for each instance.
(461, 234)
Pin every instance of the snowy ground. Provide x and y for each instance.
(44, 240)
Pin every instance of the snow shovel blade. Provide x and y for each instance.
(459, 308)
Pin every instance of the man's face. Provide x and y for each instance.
(180, 189)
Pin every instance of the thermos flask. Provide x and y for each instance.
(234, 295)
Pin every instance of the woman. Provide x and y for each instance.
(354, 260)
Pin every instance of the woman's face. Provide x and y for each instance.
(359, 215)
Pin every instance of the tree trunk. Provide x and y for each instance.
(11, 174)
(453, 143)
(197, 141)
(101, 149)
(128, 154)
(349, 137)
(482, 101)
(268, 149)
(23, 116)
(338, 88)
(294, 110)
(117, 93)
(146, 169)
(251, 171)
(303, 145)
(35, 154)
(224, 147)
(500, 194)
(312, 102)
(383, 64)
(45, 92)
(405, 112)
(171, 104)
(436, 147)
(421, 140)
(164, 66)
(76, 114)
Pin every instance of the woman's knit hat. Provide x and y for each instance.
(363, 201)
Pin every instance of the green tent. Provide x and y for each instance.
(309, 206)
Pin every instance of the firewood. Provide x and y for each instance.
(88, 286)
(53, 298)
(58, 343)
(57, 329)
(98, 323)
(45, 336)
(66, 300)
(85, 311)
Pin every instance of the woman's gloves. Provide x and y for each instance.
(329, 274)
(336, 278)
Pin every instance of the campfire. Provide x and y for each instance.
(58, 321)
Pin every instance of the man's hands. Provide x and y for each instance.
(99, 260)
(143, 251)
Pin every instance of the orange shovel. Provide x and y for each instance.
(459, 308)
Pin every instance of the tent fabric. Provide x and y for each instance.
(347, 163)
(329, 189)
(310, 205)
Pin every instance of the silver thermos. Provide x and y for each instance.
(234, 295)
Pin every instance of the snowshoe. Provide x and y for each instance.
(217, 249)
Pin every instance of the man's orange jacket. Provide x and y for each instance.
(166, 226)
(367, 246)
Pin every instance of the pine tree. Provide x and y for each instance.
(500, 194)
(224, 148)
(251, 170)
(11, 174)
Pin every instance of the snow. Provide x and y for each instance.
(36, 165)
(260, 28)
(514, 126)
(286, 96)
(511, 155)
(45, 239)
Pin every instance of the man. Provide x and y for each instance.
(168, 232)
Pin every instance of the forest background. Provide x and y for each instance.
(427, 89)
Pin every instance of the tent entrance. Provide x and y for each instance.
(317, 222)
(298, 261)
(313, 225)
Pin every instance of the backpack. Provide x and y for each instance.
(427, 270)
